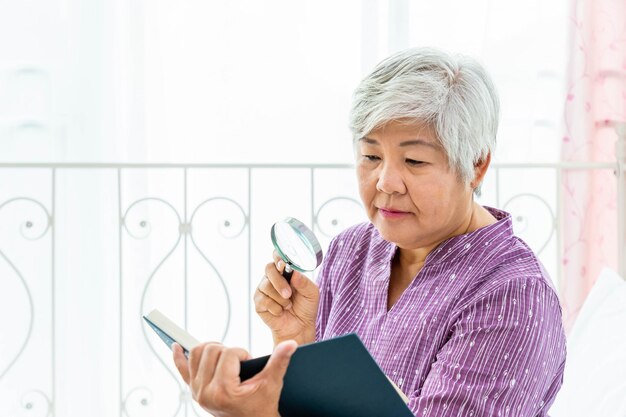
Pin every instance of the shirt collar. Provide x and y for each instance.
(461, 245)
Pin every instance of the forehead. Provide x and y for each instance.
(404, 134)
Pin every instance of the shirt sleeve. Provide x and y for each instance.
(505, 356)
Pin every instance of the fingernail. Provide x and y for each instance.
(289, 306)
(286, 292)
(280, 265)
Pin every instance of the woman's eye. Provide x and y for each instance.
(371, 157)
(414, 162)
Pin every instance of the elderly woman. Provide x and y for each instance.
(455, 308)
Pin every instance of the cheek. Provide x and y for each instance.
(450, 198)
(429, 190)
(367, 186)
(435, 195)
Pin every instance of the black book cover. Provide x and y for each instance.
(334, 378)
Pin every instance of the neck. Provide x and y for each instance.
(475, 218)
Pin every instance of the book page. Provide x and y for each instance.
(399, 391)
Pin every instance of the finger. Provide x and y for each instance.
(277, 280)
(194, 359)
(281, 265)
(263, 304)
(279, 262)
(206, 367)
(268, 289)
(276, 367)
(229, 366)
(181, 362)
(195, 355)
(277, 258)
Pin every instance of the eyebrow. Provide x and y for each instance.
(411, 142)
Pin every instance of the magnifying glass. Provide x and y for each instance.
(297, 246)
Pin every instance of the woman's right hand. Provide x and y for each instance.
(289, 311)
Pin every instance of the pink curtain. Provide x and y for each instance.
(596, 99)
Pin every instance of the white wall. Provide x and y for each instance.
(193, 81)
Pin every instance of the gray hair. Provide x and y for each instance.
(453, 94)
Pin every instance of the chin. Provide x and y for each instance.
(391, 234)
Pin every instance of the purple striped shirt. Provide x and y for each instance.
(477, 332)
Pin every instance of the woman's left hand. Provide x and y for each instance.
(212, 373)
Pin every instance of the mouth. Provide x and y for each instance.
(392, 213)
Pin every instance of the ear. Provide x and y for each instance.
(480, 169)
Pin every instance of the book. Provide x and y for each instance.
(169, 332)
(335, 378)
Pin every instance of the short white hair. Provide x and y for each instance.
(452, 94)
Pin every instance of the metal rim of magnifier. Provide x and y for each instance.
(306, 235)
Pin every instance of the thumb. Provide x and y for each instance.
(277, 365)
(306, 287)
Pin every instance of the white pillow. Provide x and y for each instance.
(594, 384)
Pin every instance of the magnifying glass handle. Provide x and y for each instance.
(287, 272)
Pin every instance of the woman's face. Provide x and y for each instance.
(411, 194)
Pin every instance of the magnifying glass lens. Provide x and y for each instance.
(296, 244)
(295, 247)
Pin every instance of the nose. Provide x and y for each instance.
(390, 180)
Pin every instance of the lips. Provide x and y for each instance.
(392, 213)
(392, 210)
